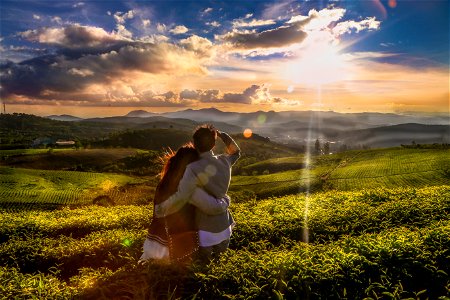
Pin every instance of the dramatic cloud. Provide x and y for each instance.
(255, 94)
(72, 36)
(199, 45)
(202, 95)
(319, 19)
(252, 23)
(273, 38)
(154, 39)
(121, 17)
(347, 26)
(44, 76)
(322, 26)
(180, 29)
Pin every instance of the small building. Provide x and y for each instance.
(65, 143)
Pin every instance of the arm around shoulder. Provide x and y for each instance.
(209, 204)
(175, 202)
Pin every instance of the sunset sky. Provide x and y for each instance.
(102, 58)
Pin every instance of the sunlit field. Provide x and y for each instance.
(390, 239)
(338, 111)
(352, 170)
(370, 243)
(28, 187)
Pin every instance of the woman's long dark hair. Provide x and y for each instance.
(173, 170)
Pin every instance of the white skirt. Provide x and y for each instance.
(154, 250)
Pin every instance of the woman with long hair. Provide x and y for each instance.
(175, 236)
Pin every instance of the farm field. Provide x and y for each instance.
(352, 170)
(25, 188)
(369, 224)
(382, 243)
(65, 159)
(16, 152)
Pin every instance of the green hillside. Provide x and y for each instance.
(28, 188)
(384, 243)
(393, 167)
(372, 224)
(352, 170)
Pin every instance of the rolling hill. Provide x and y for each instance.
(299, 129)
(351, 170)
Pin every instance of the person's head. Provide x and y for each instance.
(174, 166)
(176, 162)
(205, 138)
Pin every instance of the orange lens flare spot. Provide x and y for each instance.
(248, 133)
(392, 3)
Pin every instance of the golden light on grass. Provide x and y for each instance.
(248, 133)
(107, 185)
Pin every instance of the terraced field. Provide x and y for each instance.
(371, 224)
(353, 170)
(25, 188)
(396, 167)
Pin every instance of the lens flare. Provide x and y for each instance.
(107, 185)
(392, 3)
(248, 133)
(262, 119)
(127, 242)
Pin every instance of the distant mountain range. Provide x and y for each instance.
(64, 118)
(292, 118)
(140, 114)
(297, 127)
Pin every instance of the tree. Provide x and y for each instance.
(317, 146)
(326, 148)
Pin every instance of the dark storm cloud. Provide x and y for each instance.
(72, 68)
(274, 38)
(72, 36)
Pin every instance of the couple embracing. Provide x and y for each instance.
(191, 219)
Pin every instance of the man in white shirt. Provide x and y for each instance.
(212, 173)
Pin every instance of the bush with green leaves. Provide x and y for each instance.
(379, 243)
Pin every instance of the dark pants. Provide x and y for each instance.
(205, 254)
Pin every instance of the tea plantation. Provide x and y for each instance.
(376, 226)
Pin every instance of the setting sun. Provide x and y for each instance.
(319, 64)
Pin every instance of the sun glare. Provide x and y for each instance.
(317, 65)
(248, 133)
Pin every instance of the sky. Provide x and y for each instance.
(103, 58)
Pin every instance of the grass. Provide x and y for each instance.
(380, 229)
(54, 188)
(352, 170)
(379, 243)
(16, 152)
